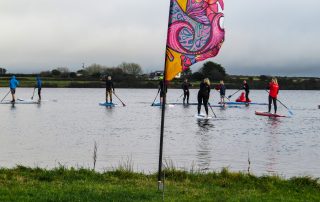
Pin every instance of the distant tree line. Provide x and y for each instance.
(130, 75)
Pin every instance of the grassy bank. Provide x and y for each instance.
(26, 184)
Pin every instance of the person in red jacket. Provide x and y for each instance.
(273, 94)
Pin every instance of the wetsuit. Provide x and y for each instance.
(273, 94)
(186, 93)
(162, 88)
(109, 88)
(203, 97)
(247, 90)
(39, 86)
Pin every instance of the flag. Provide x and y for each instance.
(194, 33)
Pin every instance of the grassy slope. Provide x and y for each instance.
(25, 184)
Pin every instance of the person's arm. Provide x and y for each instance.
(112, 86)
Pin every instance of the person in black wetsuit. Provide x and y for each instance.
(162, 88)
(246, 89)
(109, 88)
(203, 95)
(185, 87)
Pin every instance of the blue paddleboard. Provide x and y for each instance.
(107, 104)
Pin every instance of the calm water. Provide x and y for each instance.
(63, 131)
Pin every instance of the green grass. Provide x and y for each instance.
(61, 184)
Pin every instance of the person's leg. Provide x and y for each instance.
(275, 105)
(270, 102)
(205, 103)
(13, 92)
(110, 94)
(247, 96)
(39, 93)
(199, 103)
(107, 95)
(188, 94)
(161, 97)
(184, 96)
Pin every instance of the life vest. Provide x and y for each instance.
(274, 89)
(242, 98)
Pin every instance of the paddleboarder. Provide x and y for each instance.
(203, 95)
(222, 89)
(162, 88)
(13, 85)
(39, 86)
(185, 87)
(246, 89)
(273, 94)
(109, 88)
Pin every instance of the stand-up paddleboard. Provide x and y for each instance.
(158, 104)
(202, 116)
(107, 104)
(268, 114)
(226, 106)
(194, 103)
(20, 101)
(245, 103)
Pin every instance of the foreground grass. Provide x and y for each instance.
(26, 184)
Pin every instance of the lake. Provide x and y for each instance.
(63, 129)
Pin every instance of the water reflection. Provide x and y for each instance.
(272, 145)
(13, 107)
(204, 146)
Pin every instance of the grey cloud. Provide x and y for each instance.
(280, 37)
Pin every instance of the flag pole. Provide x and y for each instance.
(160, 182)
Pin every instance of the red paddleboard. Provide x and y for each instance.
(268, 114)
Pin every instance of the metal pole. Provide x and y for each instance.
(160, 182)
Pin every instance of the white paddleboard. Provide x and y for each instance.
(203, 116)
(20, 101)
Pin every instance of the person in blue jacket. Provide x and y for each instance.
(13, 85)
(39, 86)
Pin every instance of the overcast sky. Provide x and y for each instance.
(262, 37)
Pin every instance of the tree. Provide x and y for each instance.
(95, 70)
(186, 73)
(73, 75)
(3, 71)
(263, 77)
(131, 68)
(213, 71)
(55, 72)
(45, 73)
(63, 70)
(197, 76)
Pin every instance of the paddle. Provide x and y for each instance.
(5, 95)
(212, 110)
(33, 93)
(290, 112)
(155, 98)
(179, 97)
(119, 99)
(233, 94)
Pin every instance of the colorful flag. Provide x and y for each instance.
(194, 33)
